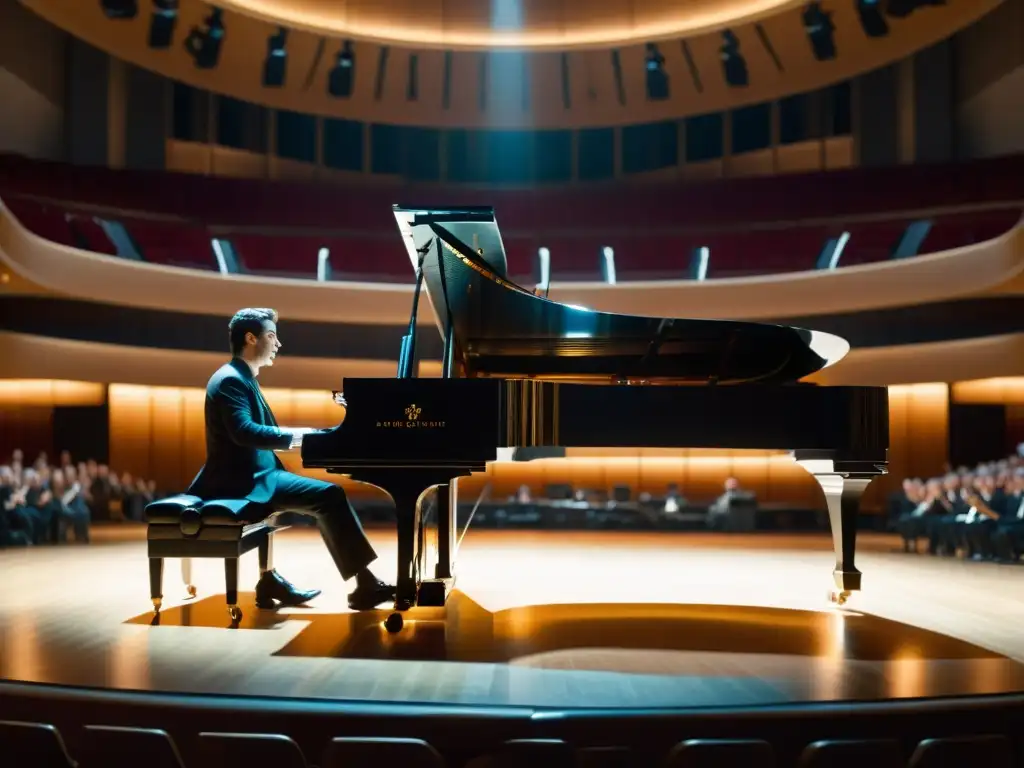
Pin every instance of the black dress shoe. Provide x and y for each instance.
(368, 597)
(273, 586)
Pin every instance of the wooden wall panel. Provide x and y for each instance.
(167, 452)
(194, 434)
(1007, 390)
(28, 427)
(131, 430)
(159, 433)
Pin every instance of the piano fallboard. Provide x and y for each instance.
(462, 422)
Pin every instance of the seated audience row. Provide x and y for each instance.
(976, 514)
(41, 502)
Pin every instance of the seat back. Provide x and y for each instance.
(373, 753)
(32, 745)
(107, 746)
(534, 753)
(244, 750)
(724, 753)
(853, 753)
(605, 757)
(989, 751)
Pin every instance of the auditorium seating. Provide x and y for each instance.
(38, 745)
(256, 202)
(751, 226)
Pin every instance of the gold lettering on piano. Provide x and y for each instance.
(412, 421)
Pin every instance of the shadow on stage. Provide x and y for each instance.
(465, 631)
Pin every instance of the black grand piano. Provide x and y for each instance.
(521, 371)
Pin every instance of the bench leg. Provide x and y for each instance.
(231, 588)
(156, 582)
(266, 553)
(186, 576)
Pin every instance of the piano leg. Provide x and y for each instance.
(844, 484)
(447, 503)
(407, 490)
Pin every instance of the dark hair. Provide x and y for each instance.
(249, 320)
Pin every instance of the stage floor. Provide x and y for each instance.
(553, 619)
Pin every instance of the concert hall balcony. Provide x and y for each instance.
(653, 231)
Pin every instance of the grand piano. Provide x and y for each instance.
(521, 371)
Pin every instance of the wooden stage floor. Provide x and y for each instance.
(554, 619)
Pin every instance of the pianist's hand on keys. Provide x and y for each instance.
(297, 434)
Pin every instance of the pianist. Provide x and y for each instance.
(241, 437)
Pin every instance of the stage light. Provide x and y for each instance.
(276, 63)
(340, 80)
(162, 23)
(657, 78)
(120, 9)
(820, 31)
(204, 44)
(733, 64)
(871, 18)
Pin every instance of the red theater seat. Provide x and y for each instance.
(760, 252)
(955, 230)
(277, 254)
(90, 235)
(870, 242)
(752, 226)
(46, 221)
(655, 257)
(174, 245)
(369, 258)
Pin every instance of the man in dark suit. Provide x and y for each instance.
(241, 437)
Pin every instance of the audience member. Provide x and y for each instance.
(40, 503)
(725, 507)
(976, 514)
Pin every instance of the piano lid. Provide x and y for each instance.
(502, 329)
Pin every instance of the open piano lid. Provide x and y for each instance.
(504, 330)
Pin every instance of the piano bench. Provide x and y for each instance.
(185, 527)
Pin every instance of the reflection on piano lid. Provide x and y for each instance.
(495, 328)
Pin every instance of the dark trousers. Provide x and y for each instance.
(1008, 539)
(911, 528)
(76, 514)
(941, 533)
(329, 505)
(34, 521)
(979, 536)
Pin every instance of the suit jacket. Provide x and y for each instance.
(241, 435)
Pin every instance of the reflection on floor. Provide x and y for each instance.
(556, 619)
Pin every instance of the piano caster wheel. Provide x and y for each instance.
(839, 597)
(191, 589)
(393, 623)
(235, 613)
(157, 602)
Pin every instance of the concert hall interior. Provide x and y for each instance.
(511, 383)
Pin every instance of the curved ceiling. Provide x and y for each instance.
(517, 24)
(427, 82)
